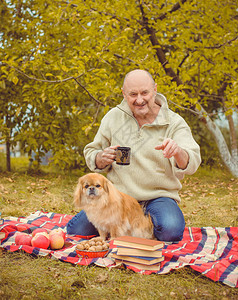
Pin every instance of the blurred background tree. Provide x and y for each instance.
(68, 60)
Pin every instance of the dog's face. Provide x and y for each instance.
(93, 185)
(91, 188)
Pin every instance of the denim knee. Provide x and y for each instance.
(171, 232)
(80, 225)
(167, 218)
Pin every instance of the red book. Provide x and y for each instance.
(138, 243)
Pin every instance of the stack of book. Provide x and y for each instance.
(143, 254)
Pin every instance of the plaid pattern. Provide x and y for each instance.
(211, 251)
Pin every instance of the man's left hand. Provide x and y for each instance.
(171, 149)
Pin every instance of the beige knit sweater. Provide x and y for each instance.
(149, 174)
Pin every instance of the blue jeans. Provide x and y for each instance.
(166, 216)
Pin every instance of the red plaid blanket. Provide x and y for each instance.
(211, 251)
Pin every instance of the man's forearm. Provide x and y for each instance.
(182, 159)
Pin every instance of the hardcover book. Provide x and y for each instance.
(138, 243)
(155, 267)
(138, 252)
(137, 259)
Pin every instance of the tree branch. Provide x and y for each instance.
(130, 60)
(219, 46)
(174, 8)
(185, 108)
(45, 80)
(183, 60)
(87, 91)
(61, 81)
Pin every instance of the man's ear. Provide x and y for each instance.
(155, 88)
(123, 92)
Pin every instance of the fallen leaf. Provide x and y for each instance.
(102, 278)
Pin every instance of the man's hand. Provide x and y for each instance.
(171, 149)
(106, 157)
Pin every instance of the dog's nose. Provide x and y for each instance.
(91, 191)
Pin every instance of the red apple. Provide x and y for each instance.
(58, 231)
(38, 230)
(57, 238)
(23, 239)
(41, 240)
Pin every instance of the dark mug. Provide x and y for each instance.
(123, 155)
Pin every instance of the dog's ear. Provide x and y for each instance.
(106, 185)
(78, 193)
(113, 193)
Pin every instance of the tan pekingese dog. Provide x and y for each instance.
(109, 210)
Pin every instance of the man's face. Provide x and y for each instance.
(139, 92)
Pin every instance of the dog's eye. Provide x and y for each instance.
(86, 186)
(98, 185)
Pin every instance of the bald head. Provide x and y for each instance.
(139, 90)
(137, 75)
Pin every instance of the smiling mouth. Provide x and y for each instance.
(140, 105)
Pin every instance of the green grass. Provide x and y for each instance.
(209, 198)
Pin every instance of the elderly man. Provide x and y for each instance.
(162, 152)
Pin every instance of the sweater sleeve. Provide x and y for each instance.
(182, 135)
(100, 142)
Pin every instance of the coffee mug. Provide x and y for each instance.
(123, 155)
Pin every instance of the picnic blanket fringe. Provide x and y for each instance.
(212, 251)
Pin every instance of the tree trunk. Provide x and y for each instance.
(233, 139)
(8, 155)
(229, 160)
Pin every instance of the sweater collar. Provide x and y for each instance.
(163, 115)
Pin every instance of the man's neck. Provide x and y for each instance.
(148, 118)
